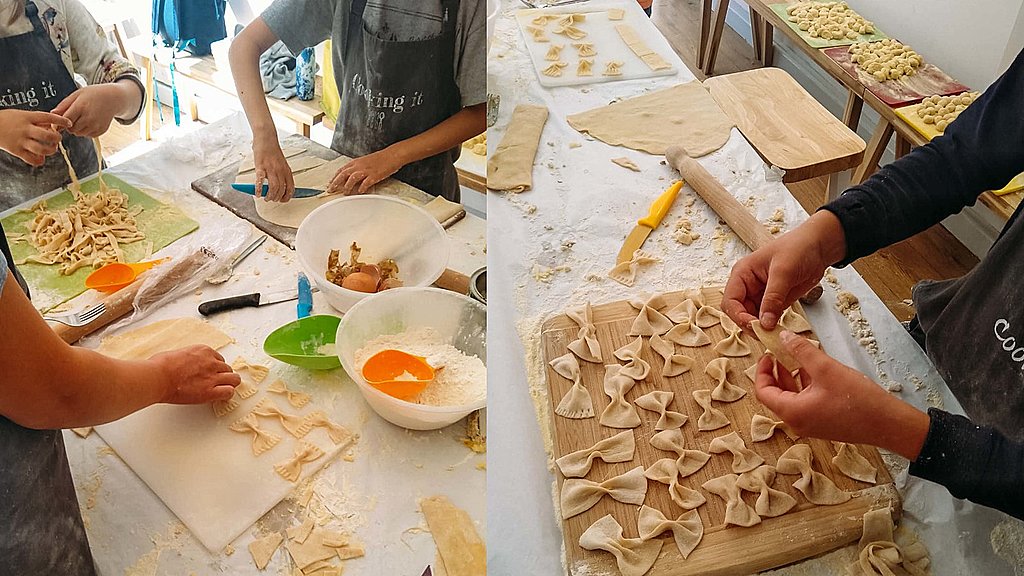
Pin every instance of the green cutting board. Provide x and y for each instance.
(780, 9)
(161, 223)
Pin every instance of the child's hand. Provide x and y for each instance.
(31, 136)
(272, 166)
(92, 108)
(359, 175)
(838, 402)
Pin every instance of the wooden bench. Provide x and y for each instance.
(763, 20)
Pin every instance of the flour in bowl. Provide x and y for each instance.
(463, 380)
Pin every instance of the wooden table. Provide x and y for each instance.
(763, 20)
(203, 70)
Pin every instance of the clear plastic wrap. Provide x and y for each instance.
(191, 262)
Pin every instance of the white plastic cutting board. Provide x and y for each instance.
(606, 40)
(204, 472)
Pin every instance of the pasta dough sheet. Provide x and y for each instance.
(511, 166)
(684, 114)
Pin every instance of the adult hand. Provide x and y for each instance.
(195, 375)
(272, 166)
(359, 175)
(774, 276)
(92, 108)
(31, 136)
(837, 402)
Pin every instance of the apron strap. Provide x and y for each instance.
(358, 7)
(32, 12)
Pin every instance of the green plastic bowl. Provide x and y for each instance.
(297, 342)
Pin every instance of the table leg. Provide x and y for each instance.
(902, 146)
(767, 45)
(756, 33)
(851, 115)
(705, 29)
(874, 151)
(716, 37)
(146, 129)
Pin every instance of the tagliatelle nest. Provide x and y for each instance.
(89, 232)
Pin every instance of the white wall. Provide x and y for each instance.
(966, 39)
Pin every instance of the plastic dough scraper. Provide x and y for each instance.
(647, 224)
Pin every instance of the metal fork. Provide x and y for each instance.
(76, 319)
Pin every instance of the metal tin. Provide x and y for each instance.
(478, 285)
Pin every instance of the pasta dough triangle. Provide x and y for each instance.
(851, 462)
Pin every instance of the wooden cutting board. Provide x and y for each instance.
(780, 9)
(928, 81)
(217, 187)
(785, 124)
(806, 531)
(606, 40)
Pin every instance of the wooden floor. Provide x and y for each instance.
(892, 272)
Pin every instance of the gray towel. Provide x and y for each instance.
(277, 70)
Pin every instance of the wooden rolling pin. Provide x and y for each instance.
(753, 233)
(122, 302)
(454, 281)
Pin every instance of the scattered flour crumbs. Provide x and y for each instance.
(463, 380)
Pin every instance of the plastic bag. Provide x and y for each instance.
(203, 255)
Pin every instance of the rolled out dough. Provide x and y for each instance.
(291, 213)
(685, 114)
(163, 336)
(458, 542)
(511, 165)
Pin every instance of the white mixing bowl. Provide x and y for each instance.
(460, 320)
(384, 228)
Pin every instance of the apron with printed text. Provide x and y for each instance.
(33, 77)
(392, 91)
(41, 529)
(974, 333)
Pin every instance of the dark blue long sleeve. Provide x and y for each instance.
(981, 150)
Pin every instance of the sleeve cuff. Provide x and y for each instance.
(142, 101)
(954, 451)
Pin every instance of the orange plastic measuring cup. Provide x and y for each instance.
(398, 373)
(114, 276)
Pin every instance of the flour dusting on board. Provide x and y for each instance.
(461, 381)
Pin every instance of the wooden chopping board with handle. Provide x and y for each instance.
(805, 531)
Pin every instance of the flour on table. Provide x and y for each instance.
(463, 380)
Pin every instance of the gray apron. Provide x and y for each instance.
(392, 91)
(34, 78)
(41, 530)
(974, 333)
